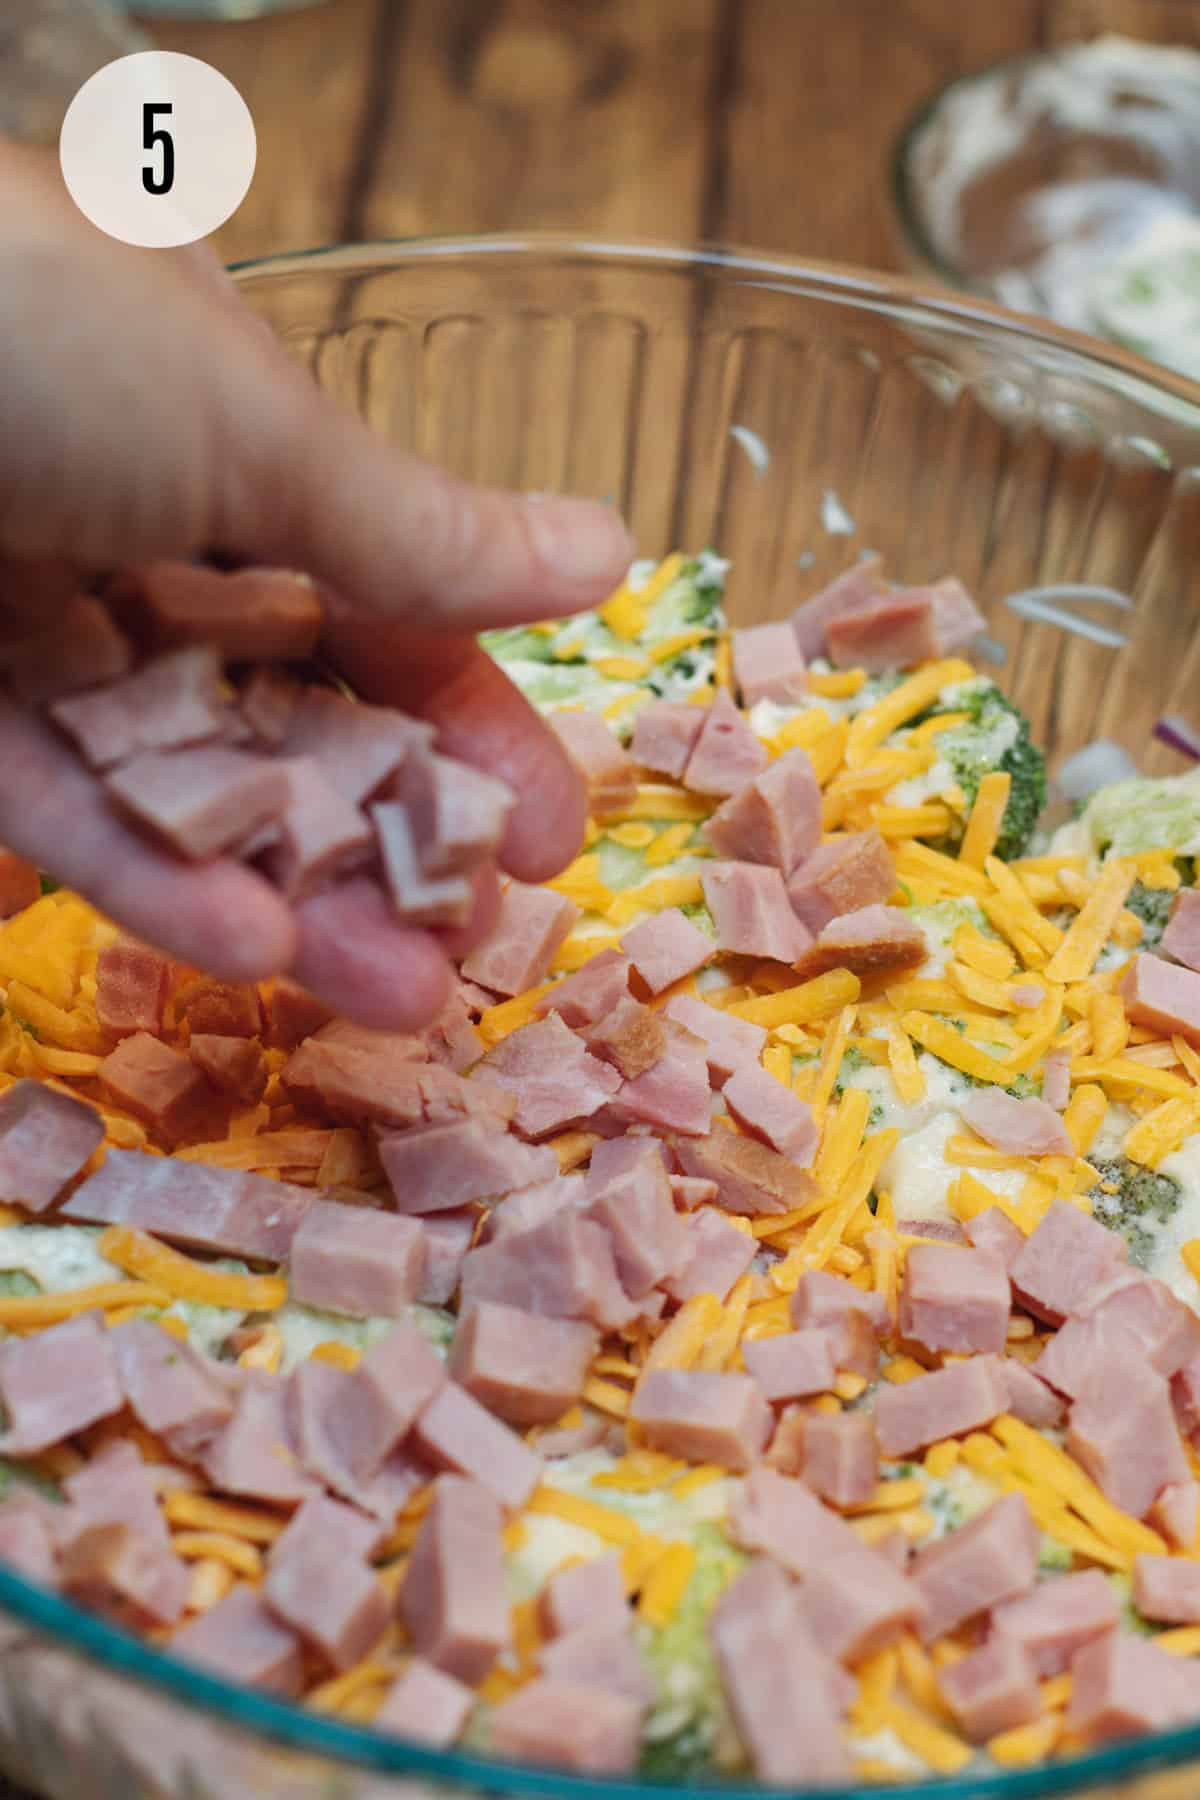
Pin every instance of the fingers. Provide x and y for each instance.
(355, 956)
(219, 916)
(482, 718)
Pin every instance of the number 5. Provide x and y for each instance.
(154, 138)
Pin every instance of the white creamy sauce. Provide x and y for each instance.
(919, 1178)
(58, 1257)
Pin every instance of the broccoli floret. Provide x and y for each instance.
(1153, 905)
(995, 736)
(1130, 1199)
(1137, 815)
(691, 1719)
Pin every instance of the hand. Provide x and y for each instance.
(148, 414)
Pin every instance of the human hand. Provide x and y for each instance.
(148, 414)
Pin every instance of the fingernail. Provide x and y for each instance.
(580, 540)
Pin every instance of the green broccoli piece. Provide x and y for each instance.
(692, 1704)
(519, 645)
(1153, 905)
(1130, 1199)
(995, 736)
(1137, 815)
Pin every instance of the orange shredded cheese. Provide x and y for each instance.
(184, 1279)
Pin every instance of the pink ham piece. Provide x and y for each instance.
(718, 1255)
(318, 1586)
(629, 1195)
(155, 1083)
(26, 1544)
(46, 1137)
(81, 649)
(768, 664)
(673, 1094)
(393, 1383)
(20, 884)
(355, 1260)
(666, 947)
(562, 1266)
(224, 1210)
(993, 1689)
(994, 1231)
(448, 1237)
(780, 1686)
(664, 736)
(841, 1456)
(585, 1594)
(251, 615)
(1017, 1127)
(774, 819)
(1166, 1589)
(784, 1519)
(267, 703)
(448, 1166)
(321, 835)
(357, 1076)
(202, 801)
(857, 1603)
(524, 1367)
(115, 1488)
(242, 1641)
(172, 1391)
(568, 1727)
(689, 1192)
(171, 701)
(1030, 1399)
(631, 1037)
(420, 899)
(1163, 997)
(729, 1043)
(911, 625)
(1056, 1080)
(751, 912)
(1067, 1260)
(453, 1598)
(530, 926)
(608, 772)
(874, 940)
(359, 748)
(1176, 1514)
(959, 1398)
(853, 590)
(455, 1432)
(1181, 938)
(591, 993)
(855, 1320)
(703, 1417)
(1135, 1318)
(1122, 1431)
(992, 1559)
(425, 1705)
(603, 1657)
(842, 876)
(113, 1569)
(1124, 1686)
(339, 1427)
(751, 1178)
(791, 1366)
(764, 1106)
(457, 813)
(232, 1065)
(57, 1383)
(726, 753)
(955, 1299)
(216, 1006)
(554, 1078)
(1059, 1617)
(1185, 1397)
(254, 1456)
(521, 1211)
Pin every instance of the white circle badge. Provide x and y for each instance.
(158, 149)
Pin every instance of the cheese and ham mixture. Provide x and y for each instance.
(753, 1332)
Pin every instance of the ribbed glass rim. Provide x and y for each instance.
(122, 1654)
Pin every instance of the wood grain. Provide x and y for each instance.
(1156, 21)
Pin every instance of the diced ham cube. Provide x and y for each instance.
(992, 1559)
(591, 993)
(358, 748)
(841, 1456)
(251, 615)
(220, 1008)
(1166, 1589)
(726, 753)
(729, 1043)
(26, 1544)
(911, 625)
(453, 1598)
(172, 1390)
(201, 801)
(267, 703)
(768, 664)
(253, 1455)
(344, 1435)
(959, 1398)
(666, 947)
(784, 1519)
(555, 1079)
(81, 649)
(689, 1192)
(242, 1641)
(600, 1656)
(1124, 1686)
(774, 819)
(321, 835)
(664, 736)
(115, 1488)
(20, 884)
(718, 1255)
(55, 1384)
(131, 988)
(1176, 1514)
(1058, 1618)
(527, 1368)
(425, 1705)
(335, 1602)
(1030, 1399)
(1163, 997)
(992, 1690)
(994, 1231)
(1017, 1127)
(155, 1083)
(1122, 1431)
(764, 1106)
(358, 1077)
(672, 1095)
(703, 1417)
(584, 1594)
(1056, 1080)
(355, 1260)
(420, 899)
(791, 1366)
(600, 757)
(955, 1299)
(751, 912)
(562, 1266)
(530, 926)
(455, 1432)
(855, 1320)
(631, 1037)
(856, 588)
(457, 813)
(1064, 1262)
(751, 1178)
(872, 941)
(224, 1210)
(46, 1137)
(232, 1065)
(1136, 1318)
(842, 876)
(448, 1166)
(114, 1568)
(630, 1196)
(1181, 938)
(448, 1237)
(568, 1727)
(393, 1383)
(171, 701)
(858, 1603)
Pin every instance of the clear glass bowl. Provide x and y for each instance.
(943, 432)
